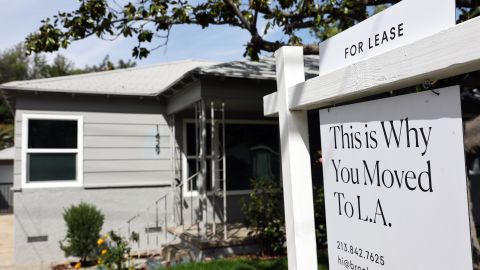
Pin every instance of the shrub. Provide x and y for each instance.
(320, 221)
(84, 223)
(265, 216)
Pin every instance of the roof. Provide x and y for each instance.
(7, 154)
(140, 81)
(263, 69)
(155, 79)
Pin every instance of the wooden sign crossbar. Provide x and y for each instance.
(449, 53)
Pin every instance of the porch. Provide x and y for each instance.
(218, 144)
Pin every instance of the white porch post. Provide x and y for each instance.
(296, 171)
(202, 176)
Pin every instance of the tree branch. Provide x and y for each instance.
(263, 45)
(460, 3)
(245, 22)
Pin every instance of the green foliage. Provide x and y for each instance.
(106, 65)
(6, 135)
(320, 221)
(149, 20)
(263, 213)
(14, 64)
(84, 223)
(242, 264)
(235, 264)
(114, 251)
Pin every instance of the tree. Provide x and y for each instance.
(106, 64)
(14, 64)
(149, 20)
(61, 66)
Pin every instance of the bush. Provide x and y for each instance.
(320, 221)
(84, 223)
(265, 216)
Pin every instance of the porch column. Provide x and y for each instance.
(201, 182)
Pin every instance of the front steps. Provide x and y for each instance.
(188, 246)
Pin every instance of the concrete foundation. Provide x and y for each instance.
(39, 225)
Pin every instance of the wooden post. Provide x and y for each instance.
(296, 171)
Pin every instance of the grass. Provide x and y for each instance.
(246, 264)
(236, 264)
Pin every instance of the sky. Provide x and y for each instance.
(18, 18)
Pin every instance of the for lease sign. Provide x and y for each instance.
(395, 183)
(399, 25)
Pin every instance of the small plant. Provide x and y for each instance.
(114, 251)
(320, 221)
(84, 223)
(265, 216)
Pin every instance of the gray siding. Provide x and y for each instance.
(119, 138)
(120, 160)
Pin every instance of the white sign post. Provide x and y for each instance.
(397, 26)
(296, 172)
(395, 183)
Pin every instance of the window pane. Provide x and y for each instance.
(52, 133)
(51, 167)
(191, 145)
(252, 153)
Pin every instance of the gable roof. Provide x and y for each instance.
(263, 69)
(155, 79)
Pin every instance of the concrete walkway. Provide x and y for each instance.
(6, 247)
(6, 242)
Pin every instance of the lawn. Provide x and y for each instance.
(245, 264)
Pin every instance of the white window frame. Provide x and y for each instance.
(185, 157)
(78, 182)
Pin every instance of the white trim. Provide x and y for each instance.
(185, 157)
(449, 53)
(25, 151)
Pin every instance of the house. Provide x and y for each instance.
(6, 180)
(152, 147)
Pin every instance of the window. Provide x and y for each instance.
(252, 153)
(52, 150)
(252, 149)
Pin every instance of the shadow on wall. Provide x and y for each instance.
(6, 198)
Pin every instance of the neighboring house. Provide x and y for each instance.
(136, 142)
(6, 180)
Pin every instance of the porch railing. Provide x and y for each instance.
(164, 216)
